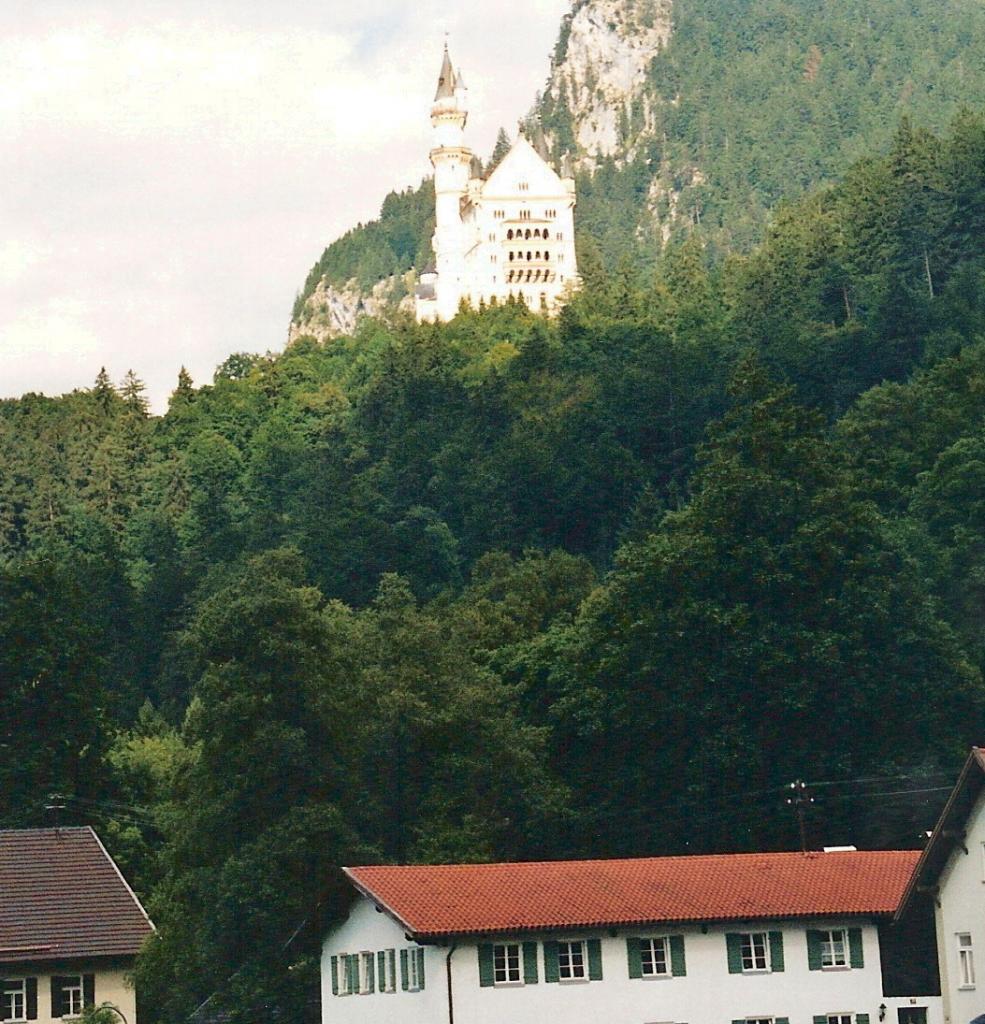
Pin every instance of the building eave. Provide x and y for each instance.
(942, 843)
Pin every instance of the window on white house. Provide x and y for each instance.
(415, 980)
(966, 960)
(506, 963)
(366, 972)
(343, 974)
(14, 1002)
(834, 948)
(839, 1018)
(755, 951)
(655, 957)
(571, 961)
(386, 969)
(759, 1020)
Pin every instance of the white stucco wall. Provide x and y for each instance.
(708, 994)
(962, 909)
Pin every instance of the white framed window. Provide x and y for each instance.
(755, 949)
(966, 961)
(343, 974)
(759, 1020)
(506, 963)
(414, 964)
(655, 957)
(366, 972)
(14, 1001)
(572, 963)
(72, 999)
(839, 1018)
(386, 970)
(834, 948)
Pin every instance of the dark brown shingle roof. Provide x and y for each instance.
(62, 896)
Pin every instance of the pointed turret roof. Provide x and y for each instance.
(460, 79)
(446, 78)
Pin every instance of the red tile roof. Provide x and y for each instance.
(461, 899)
(61, 896)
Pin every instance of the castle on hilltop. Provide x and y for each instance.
(508, 234)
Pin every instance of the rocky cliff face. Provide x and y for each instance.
(331, 311)
(599, 70)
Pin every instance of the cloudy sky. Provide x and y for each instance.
(170, 170)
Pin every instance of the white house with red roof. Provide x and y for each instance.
(950, 879)
(70, 927)
(774, 938)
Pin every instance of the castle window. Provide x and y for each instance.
(528, 257)
(527, 235)
(523, 187)
(509, 235)
(559, 236)
(547, 255)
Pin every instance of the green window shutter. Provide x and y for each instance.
(381, 969)
(733, 945)
(530, 963)
(741, 1021)
(776, 951)
(814, 953)
(420, 969)
(391, 956)
(486, 976)
(353, 968)
(335, 985)
(371, 973)
(820, 1019)
(634, 957)
(855, 956)
(32, 997)
(404, 979)
(550, 961)
(861, 1018)
(594, 960)
(57, 1003)
(89, 989)
(678, 966)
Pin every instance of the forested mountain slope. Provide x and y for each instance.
(704, 115)
(720, 512)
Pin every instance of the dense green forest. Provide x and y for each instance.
(767, 99)
(515, 588)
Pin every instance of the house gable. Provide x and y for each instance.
(522, 166)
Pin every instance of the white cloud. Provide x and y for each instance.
(168, 176)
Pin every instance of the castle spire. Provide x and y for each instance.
(446, 78)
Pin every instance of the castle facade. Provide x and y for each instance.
(506, 234)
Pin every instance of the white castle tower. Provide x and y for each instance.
(510, 233)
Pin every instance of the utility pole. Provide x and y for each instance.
(54, 808)
(800, 800)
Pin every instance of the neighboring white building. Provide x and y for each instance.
(951, 874)
(771, 938)
(511, 234)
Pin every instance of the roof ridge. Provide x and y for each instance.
(809, 855)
